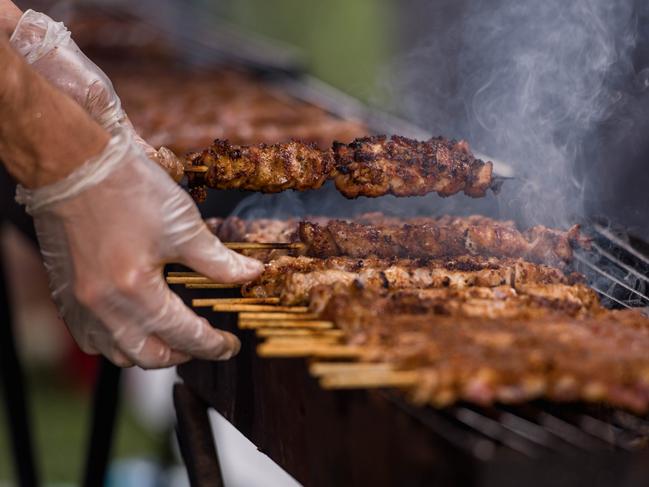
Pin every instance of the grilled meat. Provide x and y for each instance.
(439, 239)
(378, 165)
(273, 280)
(358, 305)
(267, 168)
(562, 358)
(293, 278)
(369, 166)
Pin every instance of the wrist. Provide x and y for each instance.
(92, 172)
(48, 135)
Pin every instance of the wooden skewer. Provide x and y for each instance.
(295, 332)
(212, 285)
(202, 169)
(302, 341)
(184, 274)
(289, 351)
(234, 308)
(310, 325)
(190, 280)
(319, 369)
(264, 245)
(366, 380)
(277, 316)
(199, 282)
(198, 303)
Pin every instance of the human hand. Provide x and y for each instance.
(49, 48)
(105, 232)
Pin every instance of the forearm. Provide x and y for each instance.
(44, 135)
(9, 16)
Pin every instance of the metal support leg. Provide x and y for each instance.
(104, 411)
(15, 400)
(195, 439)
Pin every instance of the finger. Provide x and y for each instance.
(149, 352)
(187, 332)
(100, 341)
(206, 254)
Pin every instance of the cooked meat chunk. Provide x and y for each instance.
(267, 168)
(379, 165)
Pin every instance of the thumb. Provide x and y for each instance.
(206, 254)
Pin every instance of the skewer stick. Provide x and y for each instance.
(277, 316)
(200, 169)
(234, 308)
(302, 341)
(289, 351)
(184, 274)
(320, 369)
(198, 303)
(264, 245)
(297, 332)
(189, 280)
(310, 325)
(375, 379)
(212, 285)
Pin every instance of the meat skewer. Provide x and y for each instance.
(562, 358)
(368, 166)
(439, 239)
(528, 302)
(294, 278)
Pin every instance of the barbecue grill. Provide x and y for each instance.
(370, 437)
(375, 437)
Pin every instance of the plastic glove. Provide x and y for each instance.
(105, 232)
(48, 47)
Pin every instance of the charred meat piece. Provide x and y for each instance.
(380, 165)
(438, 239)
(267, 168)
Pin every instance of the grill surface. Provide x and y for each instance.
(375, 437)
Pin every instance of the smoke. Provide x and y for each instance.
(528, 83)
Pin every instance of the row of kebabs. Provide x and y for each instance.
(484, 325)
(369, 166)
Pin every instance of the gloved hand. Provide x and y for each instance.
(105, 232)
(48, 47)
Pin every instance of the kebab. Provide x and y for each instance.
(293, 278)
(440, 238)
(562, 358)
(359, 305)
(368, 166)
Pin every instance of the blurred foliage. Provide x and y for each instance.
(345, 42)
(60, 416)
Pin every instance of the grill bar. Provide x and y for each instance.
(605, 232)
(606, 274)
(616, 261)
(612, 298)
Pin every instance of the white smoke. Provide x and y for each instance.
(526, 82)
